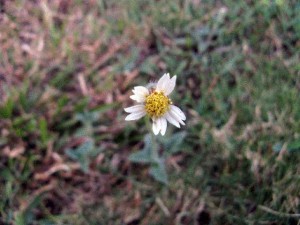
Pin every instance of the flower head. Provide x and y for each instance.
(155, 103)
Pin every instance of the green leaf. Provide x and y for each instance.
(294, 146)
(43, 131)
(172, 145)
(84, 153)
(62, 77)
(94, 115)
(7, 109)
(24, 125)
(291, 147)
(105, 107)
(180, 67)
(20, 219)
(81, 154)
(143, 156)
(140, 157)
(62, 102)
(81, 105)
(87, 117)
(26, 216)
(158, 171)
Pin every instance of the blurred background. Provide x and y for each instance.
(67, 69)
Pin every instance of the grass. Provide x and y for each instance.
(66, 73)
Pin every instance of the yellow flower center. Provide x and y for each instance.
(157, 104)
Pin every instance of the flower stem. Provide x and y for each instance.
(154, 152)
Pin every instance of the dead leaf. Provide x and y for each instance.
(13, 153)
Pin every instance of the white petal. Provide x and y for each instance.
(141, 89)
(162, 82)
(176, 116)
(140, 94)
(159, 123)
(178, 112)
(170, 86)
(171, 120)
(135, 108)
(138, 98)
(155, 127)
(135, 116)
(163, 127)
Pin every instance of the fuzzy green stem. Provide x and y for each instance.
(154, 152)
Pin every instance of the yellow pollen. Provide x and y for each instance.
(157, 104)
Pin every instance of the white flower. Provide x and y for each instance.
(155, 103)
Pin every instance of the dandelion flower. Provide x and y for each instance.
(155, 103)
